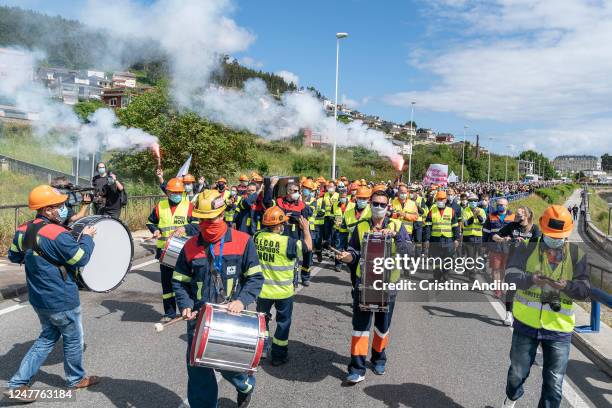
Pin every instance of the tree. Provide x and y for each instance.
(606, 162)
(85, 108)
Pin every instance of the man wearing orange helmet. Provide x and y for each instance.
(218, 265)
(189, 182)
(279, 255)
(51, 255)
(548, 276)
(441, 229)
(170, 216)
(243, 182)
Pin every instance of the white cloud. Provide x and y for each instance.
(289, 77)
(250, 62)
(353, 103)
(546, 62)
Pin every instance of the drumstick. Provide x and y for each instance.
(334, 250)
(159, 327)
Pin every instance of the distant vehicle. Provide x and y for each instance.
(532, 178)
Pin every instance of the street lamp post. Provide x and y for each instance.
(489, 166)
(411, 140)
(339, 36)
(463, 152)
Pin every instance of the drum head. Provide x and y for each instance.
(111, 258)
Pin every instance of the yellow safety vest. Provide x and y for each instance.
(409, 207)
(329, 201)
(528, 307)
(278, 270)
(320, 220)
(339, 217)
(169, 222)
(350, 219)
(474, 229)
(229, 214)
(363, 227)
(312, 203)
(442, 225)
(419, 204)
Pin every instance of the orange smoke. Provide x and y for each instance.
(156, 153)
(398, 162)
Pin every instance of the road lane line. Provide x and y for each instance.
(11, 309)
(149, 262)
(569, 392)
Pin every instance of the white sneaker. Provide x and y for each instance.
(508, 403)
(509, 319)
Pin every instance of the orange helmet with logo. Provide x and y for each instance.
(556, 222)
(45, 196)
(441, 195)
(188, 178)
(274, 216)
(175, 185)
(309, 184)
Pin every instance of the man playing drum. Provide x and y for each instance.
(170, 216)
(362, 319)
(51, 255)
(219, 264)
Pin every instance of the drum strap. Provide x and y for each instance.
(30, 242)
(215, 264)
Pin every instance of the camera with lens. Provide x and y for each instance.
(76, 194)
(293, 218)
(551, 298)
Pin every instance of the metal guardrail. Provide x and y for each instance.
(20, 166)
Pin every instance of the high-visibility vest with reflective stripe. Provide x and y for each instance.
(312, 203)
(320, 220)
(330, 200)
(229, 214)
(169, 222)
(474, 229)
(409, 207)
(419, 202)
(338, 217)
(442, 224)
(277, 268)
(351, 220)
(528, 307)
(363, 227)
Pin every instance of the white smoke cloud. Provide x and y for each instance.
(289, 77)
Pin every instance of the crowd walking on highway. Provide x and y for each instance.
(255, 241)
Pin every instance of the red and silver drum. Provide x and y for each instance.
(172, 250)
(374, 245)
(227, 341)
(111, 259)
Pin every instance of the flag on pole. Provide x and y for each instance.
(184, 168)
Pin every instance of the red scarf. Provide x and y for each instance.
(213, 231)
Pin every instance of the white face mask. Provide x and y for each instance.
(554, 243)
(331, 189)
(379, 212)
(441, 204)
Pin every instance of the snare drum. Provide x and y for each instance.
(226, 341)
(172, 250)
(374, 245)
(112, 256)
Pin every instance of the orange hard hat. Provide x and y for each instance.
(256, 177)
(379, 187)
(274, 216)
(175, 185)
(222, 180)
(321, 179)
(188, 178)
(45, 196)
(556, 222)
(243, 177)
(363, 182)
(441, 195)
(354, 186)
(210, 204)
(309, 184)
(363, 192)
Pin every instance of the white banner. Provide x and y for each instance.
(184, 168)
(407, 149)
(436, 174)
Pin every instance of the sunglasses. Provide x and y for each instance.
(379, 205)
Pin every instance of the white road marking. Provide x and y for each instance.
(12, 308)
(150, 262)
(569, 392)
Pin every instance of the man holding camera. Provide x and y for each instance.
(108, 192)
(76, 195)
(548, 276)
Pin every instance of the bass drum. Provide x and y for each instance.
(112, 256)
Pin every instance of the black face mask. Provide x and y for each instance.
(220, 186)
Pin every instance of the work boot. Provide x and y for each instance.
(279, 361)
(22, 394)
(305, 283)
(243, 400)
(379, 369)
(87, 382)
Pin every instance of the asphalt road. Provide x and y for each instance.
(452, 354)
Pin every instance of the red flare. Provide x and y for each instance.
(156, 153)
(398, 162)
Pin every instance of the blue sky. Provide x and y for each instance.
(528, 74)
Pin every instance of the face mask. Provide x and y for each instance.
(451, 198)
(361, 204)
(413, 195)
(62, 214)
(220, 186)
(306, 193)
(378, 212)
(472, 204)
(189, 188)
(342, 200)
(331, 190)
(234, 193)
(554, 243)
(102, 171)
(244, 183)
(403, 196)
(501, 208)
(175, 198)
(441, 204)
(295, 196)
(484, 203)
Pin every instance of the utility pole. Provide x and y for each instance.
(411, 141)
